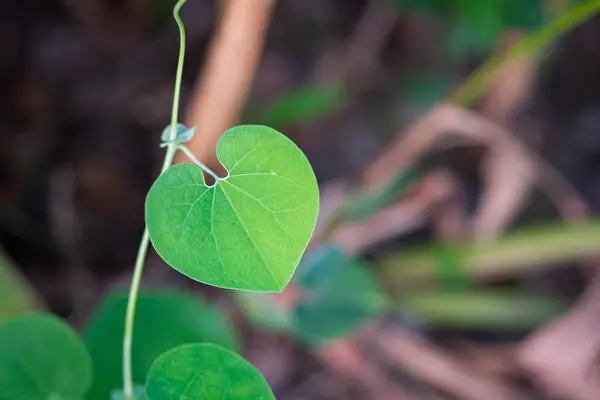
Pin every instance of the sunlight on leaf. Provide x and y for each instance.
(41, 357)
(205, 371)
(249, 230)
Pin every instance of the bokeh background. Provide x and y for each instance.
(456, 251)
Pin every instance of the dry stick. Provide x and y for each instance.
(363, 47)
(425, 361)
(447, 120)
(477, 85)
(222, 91)
(439, 190)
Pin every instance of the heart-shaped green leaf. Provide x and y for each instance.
(164, 319)
(205, 372)
(247, 231)
(42, 358)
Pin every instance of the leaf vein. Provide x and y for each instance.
(250, 237)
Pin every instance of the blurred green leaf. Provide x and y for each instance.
(41, 357)
(522, 14)
(482, 310)
(366, 203)
(450, 273)
(421, 92)
(477, 26)
(518, 251)
(164, 319)
(17, 296)
(429, 6)
(535, 42)
(339, 296)
(304, 104)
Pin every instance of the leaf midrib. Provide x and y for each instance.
(249, 236)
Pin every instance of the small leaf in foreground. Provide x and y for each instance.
(205, 372)
(41, 357)
(164, 319)
(249, 230)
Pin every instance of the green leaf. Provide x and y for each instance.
(364, 204)
(429, 6)
(304, 104)
(164, 319)
(478, 25)
(205, 372)
(449, 269)
(420, 92)
(482, 310)
(41, 358)
(523, 14)
(249, 230)
(17, 296)
(339, 296)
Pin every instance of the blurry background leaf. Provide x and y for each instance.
(364, 204)
(164, 319)
(16, 294)
(41, 357)
(303, 105)
(420, 92)
(339, 295)
(482, 310)
(477, 25)
(523, 14)
(450, 273)
(422, 5)
(517, 251)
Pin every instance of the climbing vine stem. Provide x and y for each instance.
(145, 241)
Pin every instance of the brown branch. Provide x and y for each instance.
(431, 364)
(222, 90)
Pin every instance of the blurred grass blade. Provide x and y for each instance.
(367, 203)
(304, 104)
(522, 250)
(534, 43)
(482, 310)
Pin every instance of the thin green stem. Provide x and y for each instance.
(479, 81)
(195, 160)
(145, 241)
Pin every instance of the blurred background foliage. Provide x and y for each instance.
(87, 88)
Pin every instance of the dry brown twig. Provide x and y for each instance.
(359, 55)
(436, 196)
(506, 191)
(428, 363)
